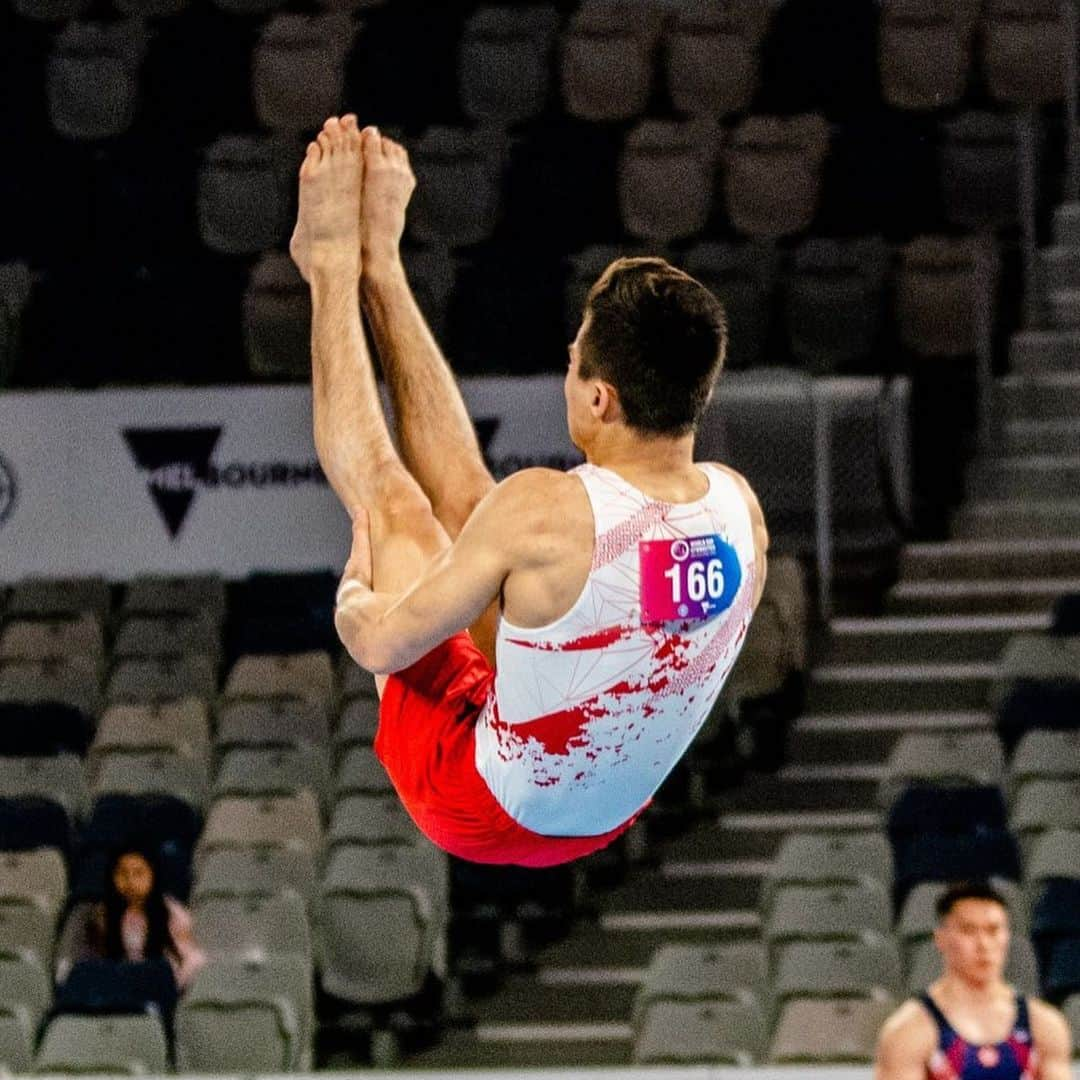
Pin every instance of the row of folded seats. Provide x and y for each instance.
(847, 918)
(312, 894)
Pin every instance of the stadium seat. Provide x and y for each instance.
(1021, 967)
(153, 773)
(863, 968)
(924, 52)
(971, 855)
(93, 78)
(27, 929)
(277, 320)
(247, 1016)
(44, 727)
(25, 987)
(370, 819)
(665, 179)
(935, 296)
(117, 1045)
(306, 676)
(72, 683)
(149, 680)
(1055, 854)
(1066, 619)
(16, 285)
(742, 276)
(17, 1032)
(827, 913)
(942, 760)
(606, 60)
(285, 821)
(1041, 805)
(278, 721)
(828, 1032)
(710, 56)
(980, 172)
(117, 988)
(258, 926)
(283, 614)
(1037, 657)
(53, 639)
(360, 773)
(262, 871)
(274, 771)
(382, 921)
(34, 879)
(31, 822)
(1045, 755)
(504, 63)
(458, 175)
(298, 69)
(58, 778)
(175, 634)
(174, 727)
(697, 973)
(1023, 51)
(1056, 915)
(151, 9)
(1062, 977)
(717, 1032)
(773, 178)
(834, 302)
(432, 273)
(828, 859)
(357, 724)
(1034, 704)
(242, 206)
(191, 595)
(43, 597)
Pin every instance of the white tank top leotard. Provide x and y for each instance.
(590, 713)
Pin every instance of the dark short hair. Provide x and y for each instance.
(658, 336)
(968, 890)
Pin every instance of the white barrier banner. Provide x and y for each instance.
(226, 480)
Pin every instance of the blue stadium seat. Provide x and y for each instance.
(1061, 975)
(29, 823)
(1037, 703)
(113, 987)
(1056, 915)
(1067, 615)
(43, 728)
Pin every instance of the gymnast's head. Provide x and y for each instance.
(651, 345)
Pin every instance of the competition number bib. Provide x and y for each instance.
(692, 577)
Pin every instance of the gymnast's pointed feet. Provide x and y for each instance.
(327, 234)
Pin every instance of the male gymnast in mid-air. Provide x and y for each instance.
(545, 648)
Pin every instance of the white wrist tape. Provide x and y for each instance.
(347, 585)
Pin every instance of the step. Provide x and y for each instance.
(925, 638)
(793, 793)
(1022, 437)
(1035, 476)
(990, 559)
(524, 998)
(1043, 397)
(884, 687)
(658, 894)
(1008, 595)
(1020, 518)
(505, 1047)
(1039, 352)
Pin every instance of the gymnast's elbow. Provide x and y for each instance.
(361, 637)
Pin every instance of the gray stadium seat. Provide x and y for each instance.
(459, 180)
(356, 681)
(773, 177)
(284, 821)
(152, 773)
(17, 1031)
(151, 9)
(665, 179)
(25, 995)
(73, 682)
(1071, 1009)
(177, 727)
(711, 56)
(1035, 656)
(146, 680)
(116, 1045)
(360, 773)
(26, 929)
(1045, 755)
(827, 859)
(258, 926)
(980, 174)
(695, 973)
(193, 594)
(40, 597)
(942, 760)
(280, 721)
(37, 878)
(93, 78)
(55, 11)
(1041, 805)
(241, 200)
(262, 871)
(16, 285)
(247, 1016)
(274, 771)
(1023, 51)
(834, 302)
(678, 1033)
(1055, 853)
(1021, 968)
(357, 725)
(307, 676)
(59, 778)
(742, 276)
(504, 63)
(382, 921)
(864, 968)
(839, 1031)
(277, 319)
(924, 52)
(53, 639)
(167, 635)
(827, 913)
(606, 60)
(298, 69)
(370, 819)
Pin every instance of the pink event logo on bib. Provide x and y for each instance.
(693, 577)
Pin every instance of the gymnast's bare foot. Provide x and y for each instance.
(327, 234)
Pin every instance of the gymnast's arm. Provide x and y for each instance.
(1052, 1039)
(906, 1044)
(506, 534)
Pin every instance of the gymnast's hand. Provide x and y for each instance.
(388, 185)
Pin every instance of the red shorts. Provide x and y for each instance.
(426, 742)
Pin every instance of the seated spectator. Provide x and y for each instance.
(137, 921)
